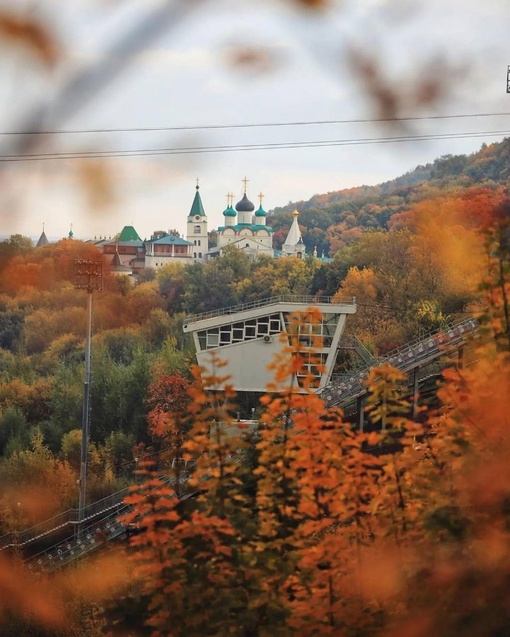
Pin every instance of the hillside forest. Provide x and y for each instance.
(303, 525)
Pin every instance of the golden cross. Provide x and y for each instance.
(260, 196)
(245, 182)
(198, 183)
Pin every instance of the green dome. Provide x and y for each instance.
(261, 212)
(229, 212)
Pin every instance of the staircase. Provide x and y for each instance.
(60, 522)
(105, 528)
(101, 519)
(411, 356)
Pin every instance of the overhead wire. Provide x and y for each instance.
(161, 129)
(140, 152)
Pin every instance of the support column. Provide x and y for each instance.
(460, 358)
(415, 391)
(88, 275)
(85, 415)
(361, 412)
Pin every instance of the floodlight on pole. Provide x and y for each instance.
(88, 275)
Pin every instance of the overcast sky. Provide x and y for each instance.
(227, 62)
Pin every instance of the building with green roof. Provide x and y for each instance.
(244, 229)
(196, 229)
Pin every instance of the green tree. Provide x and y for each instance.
(170, 284)
(11, 325)
(207, 287)
(54, 490)
(14, 430)
(16, 244)
(157, 328)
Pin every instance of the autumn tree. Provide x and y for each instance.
(167, 398)
(15, 245)
(24, 503)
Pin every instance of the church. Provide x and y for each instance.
(243, 228)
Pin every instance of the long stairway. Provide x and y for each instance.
(101, 520)
(411, 356)
(63, 521)
(88, 537)
(105, 527)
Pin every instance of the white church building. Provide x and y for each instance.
(244, 228)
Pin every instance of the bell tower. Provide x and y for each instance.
(196, 232)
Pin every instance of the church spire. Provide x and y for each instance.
(196, 228)
(196, 207)
(43, 239)
(261, 214)
(294, 241)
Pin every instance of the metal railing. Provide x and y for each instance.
(107, 511)
(273, 300)
(406, 358)
(354, 344)
(90, 537)
(60, 521)
(102, 531)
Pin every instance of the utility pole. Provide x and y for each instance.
(88, 275)
(508, 79)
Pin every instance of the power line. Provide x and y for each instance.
(252, 125)
(145, 152)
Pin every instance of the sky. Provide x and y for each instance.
(216, 72)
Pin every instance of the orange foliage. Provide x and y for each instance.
(43, 267)
(28, 597)
(307, 526)
(397, 531)
(167, 399)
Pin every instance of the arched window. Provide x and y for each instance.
(194, 255)
(195, 242)
(199, 242)
(197, 229)
(199, 255)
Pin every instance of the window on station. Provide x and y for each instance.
(241, 331)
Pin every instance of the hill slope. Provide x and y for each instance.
(348, 212)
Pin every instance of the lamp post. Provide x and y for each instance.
(88, 275)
